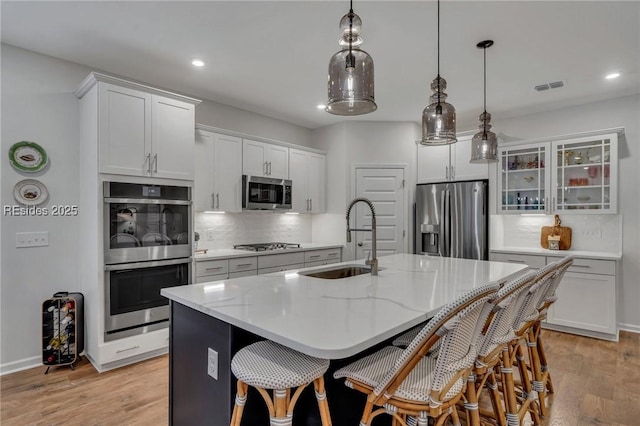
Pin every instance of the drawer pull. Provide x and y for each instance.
(214, 269)
(515, 261)
(580, 266)
(332, 254)
(314, 256)
(244, 265)
(128, 349)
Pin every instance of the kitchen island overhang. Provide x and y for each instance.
(333, 319)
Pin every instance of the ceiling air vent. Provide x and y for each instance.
(547, 86)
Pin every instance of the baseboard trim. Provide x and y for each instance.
(19, 365)
(629, 327)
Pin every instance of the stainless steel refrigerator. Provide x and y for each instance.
(451, 219)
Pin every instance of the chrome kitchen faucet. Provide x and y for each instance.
(373, 262)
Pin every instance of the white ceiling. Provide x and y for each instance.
(271, 57)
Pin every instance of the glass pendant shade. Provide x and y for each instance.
(350, 83)
(439, 117)
(484, 145)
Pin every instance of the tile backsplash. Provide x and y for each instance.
(228, 229)
(602, 233)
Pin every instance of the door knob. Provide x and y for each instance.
(360, 244)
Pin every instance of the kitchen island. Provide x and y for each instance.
(335, 319)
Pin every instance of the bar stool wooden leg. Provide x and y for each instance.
(538, 384)
(323, 405)
(238, 407)
(471, 396)
(496, 401)
(529, 402)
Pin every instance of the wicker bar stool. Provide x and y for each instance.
(541, 381)
(412, 387)
(267, 365)
(523, 400)
(498, 332)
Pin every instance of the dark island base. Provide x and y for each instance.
(195, 398)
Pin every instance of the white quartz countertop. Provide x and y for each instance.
(559, 253)
(230, 253)
(339, 318)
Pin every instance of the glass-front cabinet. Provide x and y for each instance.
(523, 176)
(585, 175)
(577, 175)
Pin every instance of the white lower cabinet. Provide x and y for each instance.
(280, 268)
(586, 302)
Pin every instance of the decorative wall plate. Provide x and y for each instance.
(30, 192)
(27, 156)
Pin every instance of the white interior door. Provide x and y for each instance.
(385, 188)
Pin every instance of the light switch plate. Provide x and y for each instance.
(32, 239)
(212, 363)
(210, 234)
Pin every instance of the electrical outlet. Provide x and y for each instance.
(32, 239)
(595, 234)
(212, 363)
(210, 234)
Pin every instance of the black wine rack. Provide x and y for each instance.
(62, 329)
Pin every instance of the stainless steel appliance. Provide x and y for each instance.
(261, 193)
(451, 219)
(146, 222)
(133, 304)
(147, 246)
(265, 246)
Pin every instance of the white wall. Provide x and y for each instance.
(230, 118)
(621, 112)
(38, 105)
(360, 142)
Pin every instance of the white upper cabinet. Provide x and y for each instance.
(307, 171)
(574, 175)
(265, 159)
(442, 163)
(172, 138)
(218, 172)
(141, 131)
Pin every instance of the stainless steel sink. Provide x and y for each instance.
(343, 271)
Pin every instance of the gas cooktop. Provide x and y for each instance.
(265, 246)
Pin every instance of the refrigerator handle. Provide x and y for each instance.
(447, 224)
(444, 224)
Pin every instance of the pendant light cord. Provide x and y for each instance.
(484, 116)
(439, 108)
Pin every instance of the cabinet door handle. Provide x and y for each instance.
(217, 268)
(213, 200)
(307, 204)
(446, 172)
(310, 204)
(155, 163)
(332, 254)
(244, 265)
(269, 168)
(314, 256)
(218, 200)
(148, 161)
(453, 173)
(265, 168)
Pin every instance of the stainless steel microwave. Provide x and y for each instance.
(262, 193)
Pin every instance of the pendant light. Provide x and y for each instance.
(484, 145)
(350, 86)
(439, 117)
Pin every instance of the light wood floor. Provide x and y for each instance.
(597, 383)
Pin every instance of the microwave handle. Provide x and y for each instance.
(139, 265)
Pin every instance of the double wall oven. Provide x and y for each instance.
(147, 246)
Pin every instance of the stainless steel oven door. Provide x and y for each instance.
(133, 304)
(146, 229)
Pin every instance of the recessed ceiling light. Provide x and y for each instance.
(197, 63)
(321, 106)
(613, 75)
